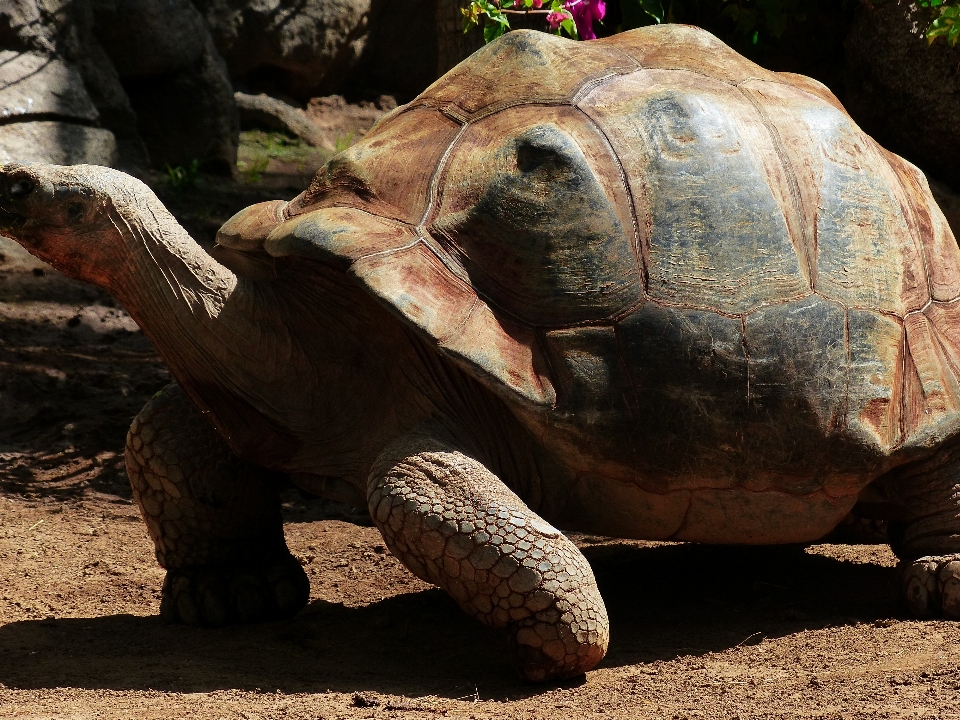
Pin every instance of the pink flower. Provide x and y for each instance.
(555, 18)
(585, 12)
(537, 4)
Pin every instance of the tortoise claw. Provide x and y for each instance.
(930, 586)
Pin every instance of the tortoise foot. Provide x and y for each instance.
(545, 649)
(930, 586)
(213, 596)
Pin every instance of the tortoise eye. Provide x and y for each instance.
(74, 210)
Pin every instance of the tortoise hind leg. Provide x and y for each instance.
(453, 523)
(927, 538)
(214, 519)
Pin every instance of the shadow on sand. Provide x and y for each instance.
(664, 602)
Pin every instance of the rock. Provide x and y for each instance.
(60, 143)
(400, 55)
(39, 25)
(116, 114)
(304, 49)
(188, 115)
(33, 84)
(62, 30)
(903, 90)
(149, 37)
(264, 111)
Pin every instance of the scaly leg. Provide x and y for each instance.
(214, 519)
(455, 524)
(927, 541)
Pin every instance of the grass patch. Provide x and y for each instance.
(258, 148)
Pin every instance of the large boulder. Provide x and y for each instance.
(903, 90)
(47, 114)
(150, 37)
(60, 31)
(60, 143)
(302, 49)
(34, 84)
(177, 83)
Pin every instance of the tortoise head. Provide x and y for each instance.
(78, 218)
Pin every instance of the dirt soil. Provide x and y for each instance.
(697, 632)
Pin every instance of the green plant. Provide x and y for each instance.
(947, 22)
(184, 178)
(491, 15)
(252, 171)
(343, 142)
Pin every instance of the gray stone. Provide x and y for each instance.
(59, 143)
(149, 37)
(305, 48)
(33, 84)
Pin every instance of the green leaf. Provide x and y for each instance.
(492, 32)
(570, 27)
(653, 8)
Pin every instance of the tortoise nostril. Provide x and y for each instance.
(20, 189)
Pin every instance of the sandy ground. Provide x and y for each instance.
(697, 632)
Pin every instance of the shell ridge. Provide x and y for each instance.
(848, 359)
(434, 191)
(806, 245)
(640, 251)
(906, 209)
(663, 302)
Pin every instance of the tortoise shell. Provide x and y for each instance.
(702, 287)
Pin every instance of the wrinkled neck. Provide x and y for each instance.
(167, 276)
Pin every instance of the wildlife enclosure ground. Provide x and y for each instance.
(697, 632)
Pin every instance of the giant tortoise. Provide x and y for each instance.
(639, 287)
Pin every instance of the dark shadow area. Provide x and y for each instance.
(664, 602)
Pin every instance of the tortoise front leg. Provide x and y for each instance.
(214, 519)
(453, 523)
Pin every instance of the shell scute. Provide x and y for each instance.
(867, 252)
(534, 211)
(389, 174)
(710, 187)
(689, 372)
(684, 47)
(797, 396)
(523, 66)
(594, 395)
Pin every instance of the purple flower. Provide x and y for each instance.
(556, 18)
(584, 13)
